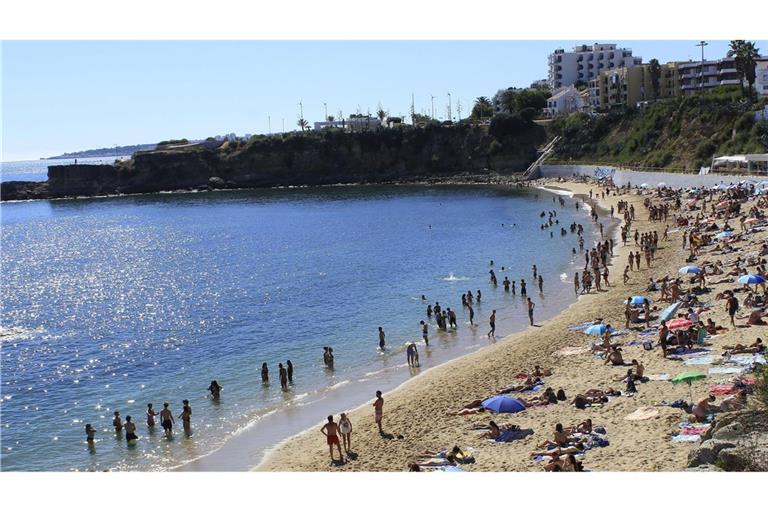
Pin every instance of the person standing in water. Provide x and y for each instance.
(150, 416)
(429, 310)
(264, 374)
(425, 332)
(381, 338)
(535, 271)
(215, 390)
(523, 291)
(89, 433)
(130, 430)
(492, 320)
(531, 305)
(289, 366)
(478, 295)
(166, 420)
(283, 376)
(576, 283)
(378, 409)
(541, 284)
(471, 315)
(506, 284)
(117, 423)
(186, 417)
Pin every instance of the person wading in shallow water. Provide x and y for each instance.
(381, 338)
(531, 305)
(492, 320)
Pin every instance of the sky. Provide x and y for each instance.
(63, 96)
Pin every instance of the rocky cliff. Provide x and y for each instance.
(316, 158)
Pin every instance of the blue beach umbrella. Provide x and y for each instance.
(669, 312)
(501, 403)
(724, 234)
(690, 269)
(751, 279)
(638, 300)
(596, 330)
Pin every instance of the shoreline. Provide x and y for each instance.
(271, 460)
(220, 458)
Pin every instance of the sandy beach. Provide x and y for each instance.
(416, 413)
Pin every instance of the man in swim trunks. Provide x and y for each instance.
(378, 408)
(166, 420)
(130, 430)
(531, 305)
(425, 332)
(330, 431)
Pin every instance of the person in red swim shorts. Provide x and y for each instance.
(331, 432)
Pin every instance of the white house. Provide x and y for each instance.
(565, 101)
(585, 62)
(761, 76)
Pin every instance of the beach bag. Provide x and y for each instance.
(647, 345)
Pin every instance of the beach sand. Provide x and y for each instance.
(415, 414)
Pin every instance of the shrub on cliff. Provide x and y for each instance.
(508, 125)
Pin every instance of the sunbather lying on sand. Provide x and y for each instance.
(472, 407)
(734, 403)
(546, 398)
(538, 372)
(530, 383)
(451, 456)
(755, 348)
(574, 448)
(585, 427)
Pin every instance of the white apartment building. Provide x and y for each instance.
(761, 76)
(698, 75)
(565, 101)
(585, 62)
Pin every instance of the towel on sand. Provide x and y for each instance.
(700, 360)
(747, 359)
(580, 327)
(572, 351)
(658, 376)
(683, 438)
(722, 389)
(643, 413)
(513, 435)
(728, 369)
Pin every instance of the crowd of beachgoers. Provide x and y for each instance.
(675, 340)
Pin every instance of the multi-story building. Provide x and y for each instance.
(630, 86)
(761, 76)
(586, 62)
(698, 75)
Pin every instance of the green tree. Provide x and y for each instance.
(482, 108)
(509, 101)
(532, 98)
(330, 119)
(745, 53)
(381, 114)
(302, 123)
(655, 70)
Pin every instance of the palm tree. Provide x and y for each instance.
(381, 114)
(745, 53)
(330, 119)
(482, 107)
(302, 123)
(655, 69)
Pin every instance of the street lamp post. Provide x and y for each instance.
(450, 113)
(701, 76)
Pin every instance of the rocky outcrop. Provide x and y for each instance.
(318, 158)
(736, 442)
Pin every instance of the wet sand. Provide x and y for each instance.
(415, 414)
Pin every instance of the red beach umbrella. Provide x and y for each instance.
(679, 323)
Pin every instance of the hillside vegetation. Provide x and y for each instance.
(675, 134)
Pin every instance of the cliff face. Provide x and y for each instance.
(304, 159)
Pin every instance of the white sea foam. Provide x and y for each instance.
(339, 384)
(451, 278)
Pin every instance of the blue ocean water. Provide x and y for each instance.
(110, 303)
(37, 170)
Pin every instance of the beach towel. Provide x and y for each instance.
(700, 360)
(727, 369)
(693, 431)
(747, 359)
(513, 435)
(658, 376)
(534, 389)
(692, 351)
(580, 327)
(648, 332)
(683, 438)
(643, 413)
(572, 351)
(722, 389)
(639, 342)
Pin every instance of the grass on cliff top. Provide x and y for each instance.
(680, 133)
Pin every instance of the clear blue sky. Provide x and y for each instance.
(76, 95)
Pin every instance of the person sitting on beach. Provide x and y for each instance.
(734, 403)
(639, 370)
(614, 357)
(538, 372)
(703, 407)
(560, 438)
(413, 467)
(756, 317)
(585, 427)
(713, 328)
(556, 464)
(571, 464)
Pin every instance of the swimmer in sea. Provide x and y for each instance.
(89, 433)
(215, 390)
(283, 376)
(478, 295)
(541, 284)
(289, 367)
(117, 422)
(264, 374)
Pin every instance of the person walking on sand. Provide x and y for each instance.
(492, 320)
(731, 306)
(425, 332)
(531, 305)
(378, 410)
(283, 376)
(150, 416)
(166, 420)
(330, 431)
(345, 428)
(381, 338)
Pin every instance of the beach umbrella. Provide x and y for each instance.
(638, 300)
(689, 378)
(724, 234)
(596, 330)
(669, 312)
(501, 403)
(690, 269)
(679, 323)
(751, 279)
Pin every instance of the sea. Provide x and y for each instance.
(112, 303)
(37, 170)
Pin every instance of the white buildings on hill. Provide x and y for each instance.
(585, 62)
(761, 76)
(567, 100)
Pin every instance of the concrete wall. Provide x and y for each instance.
(626, 176)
